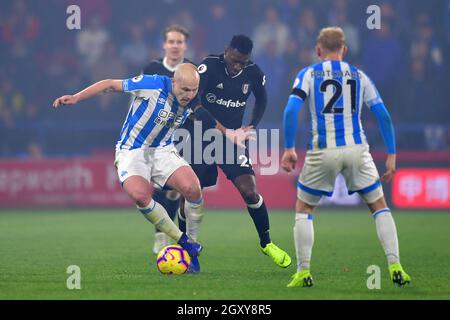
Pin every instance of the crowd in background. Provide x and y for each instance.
(40, 59)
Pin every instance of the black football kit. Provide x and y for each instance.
(225, 97)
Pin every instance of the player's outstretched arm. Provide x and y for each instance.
(103, 86)
(387, 132)
(290, 119)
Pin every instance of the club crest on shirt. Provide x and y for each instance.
(137, 78)
(202, 68)
(245, 88)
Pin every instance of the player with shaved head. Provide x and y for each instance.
(175, 39)
(145, 153)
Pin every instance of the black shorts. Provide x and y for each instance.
(207, 173)
(233, 160)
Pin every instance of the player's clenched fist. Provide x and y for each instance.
(67, 99)
(390, 168)
(289, 160)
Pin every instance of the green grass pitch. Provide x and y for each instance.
(113, 250)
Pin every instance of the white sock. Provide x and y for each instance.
(161, 237)
(156, 214)
(194, 215)
(303, 239)
(387, 233)
(256, 205)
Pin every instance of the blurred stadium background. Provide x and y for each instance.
(64, 158)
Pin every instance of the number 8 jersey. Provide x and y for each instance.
(335, 92)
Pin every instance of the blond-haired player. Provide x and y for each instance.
(335, 92)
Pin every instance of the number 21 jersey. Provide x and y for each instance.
(335, 91)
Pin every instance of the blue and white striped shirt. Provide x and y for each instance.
(154, 113)
(335, 92)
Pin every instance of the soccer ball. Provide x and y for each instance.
(173, 259)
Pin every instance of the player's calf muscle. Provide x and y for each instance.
(250, 196)
(246, 185)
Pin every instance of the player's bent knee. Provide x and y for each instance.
(304, 207)
(192, 192)
(250, 196)
(378, 204)
(307, 199)
(141, 199)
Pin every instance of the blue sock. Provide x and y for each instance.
(184, 238)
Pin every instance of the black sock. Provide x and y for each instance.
(182, 219)
(260, 218)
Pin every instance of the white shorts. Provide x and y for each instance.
(155, 165)
(322, 167)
